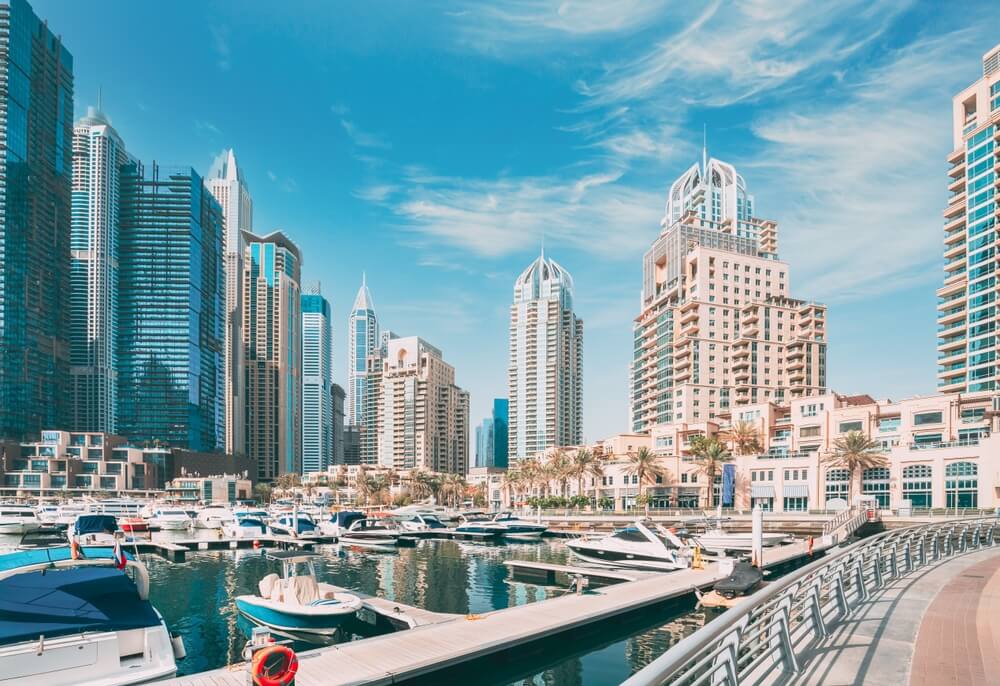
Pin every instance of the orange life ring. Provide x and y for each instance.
(274, 666)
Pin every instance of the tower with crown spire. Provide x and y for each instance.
(362, 342)
(545, 374)
(227, 184)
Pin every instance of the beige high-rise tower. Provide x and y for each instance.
(423, 417)
(227, 185)
(967, 310)
(272, 345)
(718, 327)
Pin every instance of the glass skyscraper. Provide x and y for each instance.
(171, 309)
(272, 340)
(491, 437)
(98, 156)
(36, 138)
(317, 396)
(363, 374)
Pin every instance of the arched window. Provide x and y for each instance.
(917, 484)
(875, 482)
(837, 483)
(961, 484)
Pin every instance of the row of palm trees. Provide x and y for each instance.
(854, 452)
(418, 484)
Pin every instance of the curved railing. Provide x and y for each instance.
(761, 640)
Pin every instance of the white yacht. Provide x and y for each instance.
(355, 529)
(245, 526)
(70, 622)
(213, 517)
(419, 522)
(715, 539)
(47, 514)
(643, 545)
(18, 519)
(170, 519)
(68, 512)
(295, 525)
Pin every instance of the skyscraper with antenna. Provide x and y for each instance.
(362, 341)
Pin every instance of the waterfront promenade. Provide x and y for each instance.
(936, 627)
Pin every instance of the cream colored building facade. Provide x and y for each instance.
(967, 309)
(718, 328)
(941, 451)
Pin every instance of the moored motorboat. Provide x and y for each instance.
(44, 537)
(94, 529)
(18, 519)
(715, 539)
(133, 525)
(479, 524)
(79, 621)
(295, 603)
(519, 529)
(643, 545)
(245, 527)
(170, 519)
(355, 529)
(213, 517)
(295, 525)
(417, 522)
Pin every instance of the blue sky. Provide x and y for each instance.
(433, 144)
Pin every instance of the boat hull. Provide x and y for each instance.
(524, 535)
(171, 524)
(737, 543)
(19, 527)
(615, 558)
(282, 618)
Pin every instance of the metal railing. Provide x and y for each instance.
(763, 639)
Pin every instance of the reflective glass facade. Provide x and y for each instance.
(317, 399)
(36, 138)
(171, 305)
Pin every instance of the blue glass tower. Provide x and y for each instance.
(171, 309)
(317, 398)
(36, 120)
(500, 422)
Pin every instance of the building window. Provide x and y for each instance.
(849, 426)
(808, 431)
(888, 425)
(875, 482)
(796, 504)
(917, 484)
(961, 485)
(837, 481)
(922, 418)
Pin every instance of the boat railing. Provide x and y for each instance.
(764, 638)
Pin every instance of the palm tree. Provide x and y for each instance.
(419, 484)
(378, 488)
(855, 452)
(531, 474)
(557, 469)
(453, 489)
(511, 482)
(585, 463)
(709, 455)
(361, 484)
(644, 465)
(743, 437)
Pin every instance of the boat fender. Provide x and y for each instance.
(177, 643)
(256, 544)
(274, 666)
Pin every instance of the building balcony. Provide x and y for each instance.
(683, 350)
(954, 250)
(684, 363)
(751, 331)
(956, 156)
(957, 184)
(963, 443)
(743, 375)
(955, 223)
(958, 170)
(953, 278)
(956, 237)
(957, 265)
(797, 365)
(951, 329)
(689, 329)
(946, 375)
(750, 316)
(951, 386)
(796, 378)
(956, 343)
(951, 356)
(741, 364)
(955, 287)
(956, 205)
(951, 316)
(682, 376)
(690, 315)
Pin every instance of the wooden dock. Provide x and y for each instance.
(451, 641)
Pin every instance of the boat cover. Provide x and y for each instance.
(94, 524)
(59, 602)
(347, 517)
(24, 558)
(250, 521)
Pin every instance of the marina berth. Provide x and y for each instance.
(65, 621)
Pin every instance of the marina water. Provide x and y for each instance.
(196, 599)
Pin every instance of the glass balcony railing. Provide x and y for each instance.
(961, 443)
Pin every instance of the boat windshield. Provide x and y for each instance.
(631, 534)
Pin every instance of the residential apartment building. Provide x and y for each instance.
(36, 143)
(317, 395)
(424, 416)
(171, 309)
(718, 327)
(98, 156)
(967, 307)
(337, 397)
(227, 184)
(545, 371)
(272, 340)
(223, 489)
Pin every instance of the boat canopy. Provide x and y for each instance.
(92, 524)
(250, 521)
(58, 602)
(347, 517)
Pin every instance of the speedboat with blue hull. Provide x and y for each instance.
(66, 621)
(519, 529)
(295, 603)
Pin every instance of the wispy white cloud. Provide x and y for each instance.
(362, 138)
(206, 127)
(285, 183)
(221, 47)
(376, 193)
(594, 213)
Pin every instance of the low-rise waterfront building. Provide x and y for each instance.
(491, 480)
(940, 451)
(220, 489)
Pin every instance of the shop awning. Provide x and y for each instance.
(762, 491)
(796, 491)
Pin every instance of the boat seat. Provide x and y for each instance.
(268, 586)
(302, 590)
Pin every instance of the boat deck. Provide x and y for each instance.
(455, 640)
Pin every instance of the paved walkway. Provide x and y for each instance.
(959, 637)
(955, 608)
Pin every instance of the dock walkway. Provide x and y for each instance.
(425, 649)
